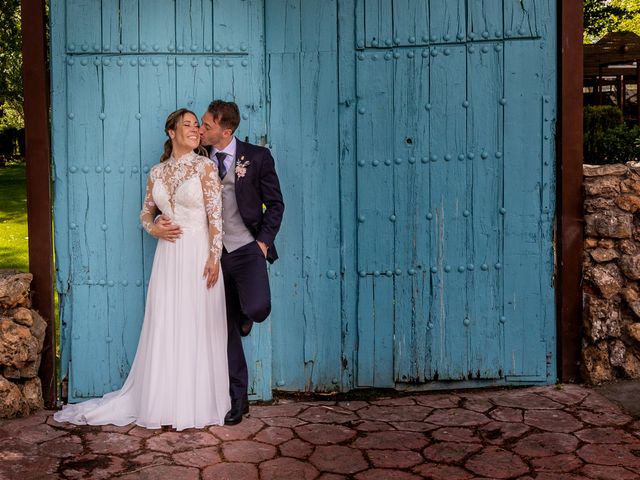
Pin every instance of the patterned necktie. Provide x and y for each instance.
(222, 169)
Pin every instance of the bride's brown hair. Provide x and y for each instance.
(170, 124)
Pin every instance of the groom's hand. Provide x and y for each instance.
(263, 247)
(165, 229)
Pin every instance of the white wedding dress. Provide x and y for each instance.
(179, 376)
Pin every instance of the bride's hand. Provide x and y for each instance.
(211, 272)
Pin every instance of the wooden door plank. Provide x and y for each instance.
(525, 350)
(348, 23)
(411, 186)
(410, 22)
(125, 300)
(194, 25)
(378, 22)
(484, 138)
(484, 19)
(449, 190)
(157, 27)
(286, 275)
(89, 341)
(520, 18)
(157, 100)
(119, 25)
(83, 27)
(86, 148)
(232, 25)
(375, 163)
(283, 32)
(447, 21)
(321, 226)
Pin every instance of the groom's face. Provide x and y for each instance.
(212, 133)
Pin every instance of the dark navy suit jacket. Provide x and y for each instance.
(259, 186)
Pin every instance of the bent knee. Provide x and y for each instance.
(259, 312)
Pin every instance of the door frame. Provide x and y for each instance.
(569, 197)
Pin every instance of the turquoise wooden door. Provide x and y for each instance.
(454, 180)
(414, 140)
(118, 69)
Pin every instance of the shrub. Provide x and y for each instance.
(606, 137)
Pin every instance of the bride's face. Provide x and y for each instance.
(186, 136)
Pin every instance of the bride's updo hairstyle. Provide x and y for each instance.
(171, 124)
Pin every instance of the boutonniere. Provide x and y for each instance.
(241, 167)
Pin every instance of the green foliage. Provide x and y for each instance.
(604, 16)
(606, 137)
(11, 95)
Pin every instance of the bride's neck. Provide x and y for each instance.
(179, 151)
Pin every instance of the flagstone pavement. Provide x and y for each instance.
(546, 433)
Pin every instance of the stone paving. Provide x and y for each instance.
(546, 433)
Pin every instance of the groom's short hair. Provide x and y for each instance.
(225, 114)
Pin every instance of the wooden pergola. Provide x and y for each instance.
(614, 61)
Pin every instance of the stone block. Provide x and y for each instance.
(595, 366)
(12, 403)
(602, 170)
(607, 278)
(590, 242)
(606, 243)
(32, 392)
(601, 318)
(22, 316)
(598, 204)
(628, 202)
(630, 266)
(609, 224)
(617, 352)
(38, 329)
(628, 247)
(17, 345)
(631, 366)
(30, 369)
(14, 289)
(604, 186)
(629, 185)
(633, 331)
(604, 254)
(11, 372)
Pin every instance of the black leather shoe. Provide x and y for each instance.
(238, 408)
(245, 327)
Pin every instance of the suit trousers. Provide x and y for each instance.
(248, 296)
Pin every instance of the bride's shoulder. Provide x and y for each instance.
(203, 162)
(155, 170)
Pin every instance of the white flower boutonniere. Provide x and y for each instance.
(241, 167)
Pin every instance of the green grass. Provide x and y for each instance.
(14, 242)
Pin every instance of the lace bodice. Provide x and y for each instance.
(187, 190)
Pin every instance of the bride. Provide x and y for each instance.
(179, 376)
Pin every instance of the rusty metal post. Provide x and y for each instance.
(638, 91)
(36, 112)
(570, 221)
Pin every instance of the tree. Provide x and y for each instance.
(604, 16)
(11, 94)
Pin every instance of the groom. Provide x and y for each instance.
(250, 183)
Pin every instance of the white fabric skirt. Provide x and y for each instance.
(179, 376)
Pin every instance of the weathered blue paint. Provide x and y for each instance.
(415, 144)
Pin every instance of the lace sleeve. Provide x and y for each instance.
(149, 207)
(212, 190)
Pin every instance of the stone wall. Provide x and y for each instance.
(611, 277)
(22, 332)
